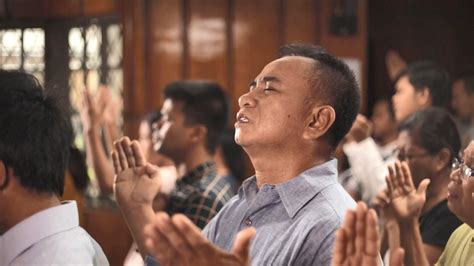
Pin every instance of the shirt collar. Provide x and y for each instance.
(198, 172)
(295, 193)
(35, 228)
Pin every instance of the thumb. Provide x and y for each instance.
(423, 187)
(242, 244)
(397, 257)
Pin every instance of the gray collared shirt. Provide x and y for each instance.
(296, 221)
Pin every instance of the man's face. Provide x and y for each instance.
(461, 192)
(421, 163)
(406, 100)
(272, 113)
(462, 101)
(171, 134)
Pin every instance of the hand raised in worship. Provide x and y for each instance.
(357, 240)
(360, 130)
(136, 181)
(91, 113)
(406, 201)
(177, 241)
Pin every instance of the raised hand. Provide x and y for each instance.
(91, 113)
(360, 130)
(177, 241)
(406, 201)
(357, 240)
(136, 181)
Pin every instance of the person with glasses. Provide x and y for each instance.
(428, 141)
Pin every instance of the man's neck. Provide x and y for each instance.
(195, 158)
(26, 205)
(281, 166)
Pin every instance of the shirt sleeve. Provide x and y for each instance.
(367, 166)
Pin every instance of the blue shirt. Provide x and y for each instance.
(295, 221)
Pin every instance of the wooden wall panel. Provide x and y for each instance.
(133, 64)
(165, 47)
(256, 38)
(207, 42)
(301, 21)
(354, 46)
(26, 9)
(52, 9)
(102, 7)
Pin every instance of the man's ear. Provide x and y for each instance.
(424, 97)
(443, 159)
(319, 121)
(198, 133)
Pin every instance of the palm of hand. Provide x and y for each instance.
(407, 205)
(135, 185)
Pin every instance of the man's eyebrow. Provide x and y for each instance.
(270, 78)
(264, 79)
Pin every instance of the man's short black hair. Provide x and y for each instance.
(433, 129)
(35, 134)
(426, 74)
(205, 103)
(333, 83)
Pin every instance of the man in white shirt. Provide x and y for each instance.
(35, 135)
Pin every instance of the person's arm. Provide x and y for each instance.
(137, 183)
(367, 164)
(407, 203)
(91, 121)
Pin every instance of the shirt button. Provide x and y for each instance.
(248, 222)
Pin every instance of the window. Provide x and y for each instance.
(23, 49)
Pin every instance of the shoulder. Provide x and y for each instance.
(74, 246)
(333, 201)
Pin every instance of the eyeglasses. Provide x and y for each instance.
(465, 171)
(408, 157)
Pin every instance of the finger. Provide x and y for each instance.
(390, 188)
(349, 229)
(408, 185)
(340, 246)
(423, 187)
(116, 162)
(175, 237)
(156, 242)
(193, 234)
(397, 256)
(242, 241)
(138, 154)
(121, 154)
(371, 234)
(86, 98)
(397, 181)
(127, 147)
(360, 228)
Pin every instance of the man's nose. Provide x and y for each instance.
(247, 100)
